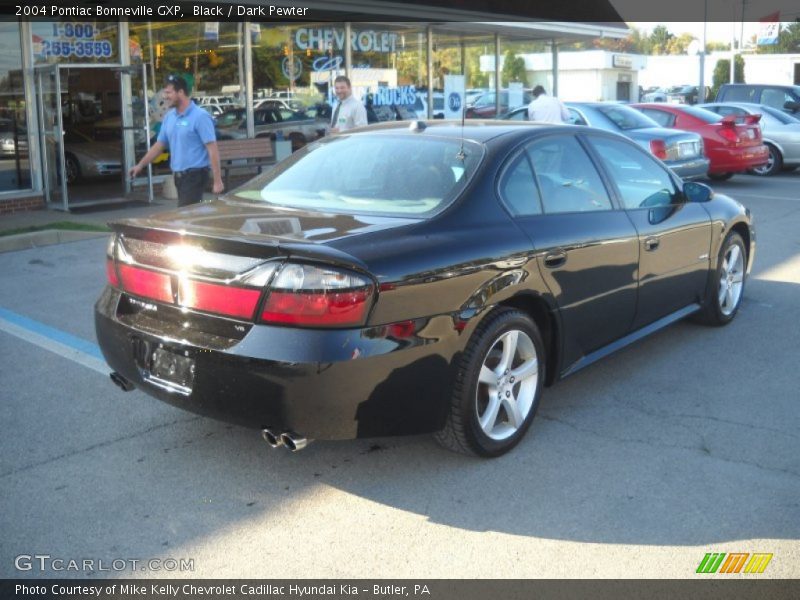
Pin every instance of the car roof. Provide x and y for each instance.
(478, 130)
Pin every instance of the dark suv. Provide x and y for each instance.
(782, 97)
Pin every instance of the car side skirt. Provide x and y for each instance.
(630, 339)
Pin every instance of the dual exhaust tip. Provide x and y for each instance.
(293, 441)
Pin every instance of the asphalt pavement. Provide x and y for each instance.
(685, 443)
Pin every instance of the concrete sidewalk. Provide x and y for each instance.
(97, 215)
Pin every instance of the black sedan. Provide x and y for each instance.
(402, 280)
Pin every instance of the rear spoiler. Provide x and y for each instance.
(731, 120)
(256, 246)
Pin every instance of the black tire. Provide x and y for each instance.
(72, 168)
(774, 166)
(715, 311)
(720, 176)
(298, 141)
(463, 431)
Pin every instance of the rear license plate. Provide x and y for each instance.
(172, 369)
(751, 134)
(687, 149)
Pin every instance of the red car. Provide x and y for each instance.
(731, 146)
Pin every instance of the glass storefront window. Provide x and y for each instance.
(74, 42)
(15, 172)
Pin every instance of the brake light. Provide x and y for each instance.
(659, 149)
(310, 296)
(146, 283)
(111, 273)
(728, 132)
(220, 299)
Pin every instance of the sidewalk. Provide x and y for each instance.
(93, 217)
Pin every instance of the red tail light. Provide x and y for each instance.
(221, 299)
(318, 297)
(729, 133)
(111, 273)
(659, 149)
(146, 283)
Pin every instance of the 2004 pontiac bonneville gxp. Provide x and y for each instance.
(406, 279)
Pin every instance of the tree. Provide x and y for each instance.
(659, 39)
(513, 68)
(680, 44)
(722, 73)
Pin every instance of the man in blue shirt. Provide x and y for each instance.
(187, 131)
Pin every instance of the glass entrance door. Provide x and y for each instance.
(51, 136)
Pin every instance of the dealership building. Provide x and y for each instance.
(80, 95)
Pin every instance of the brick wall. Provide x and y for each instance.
(13, 205)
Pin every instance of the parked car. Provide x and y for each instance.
(780, 131)
(86, 157)
(682, 151)
(405, 280)
(213, 109)
(780, 97)
(279, 104)
(485, 105)
(685, 94)
(383, 113)
(13, 138)
(654, 94)
(420, 106)
(223, 102)
(730, 146)
(296, 127)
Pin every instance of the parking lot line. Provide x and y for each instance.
(74, 348)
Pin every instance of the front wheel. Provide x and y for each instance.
(723, 304)
(497, 386)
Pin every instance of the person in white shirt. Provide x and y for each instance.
(546, 109)
(349, 112)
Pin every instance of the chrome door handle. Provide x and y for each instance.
(651, 244)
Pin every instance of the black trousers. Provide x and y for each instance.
(190, 185)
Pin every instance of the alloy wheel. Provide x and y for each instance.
(731, 280)
(507, 385)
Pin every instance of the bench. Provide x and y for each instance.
(256, 153)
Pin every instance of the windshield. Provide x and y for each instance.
(369, 174)
(703, 114)
(626, 118)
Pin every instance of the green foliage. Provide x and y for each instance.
(513, 69)
(722, 73)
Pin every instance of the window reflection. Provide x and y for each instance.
(14, 164)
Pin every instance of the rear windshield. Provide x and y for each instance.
(781, 116)
(369, 174)
(701, 113)
(626, 118)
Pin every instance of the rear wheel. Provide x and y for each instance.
(72, 168)
(723, 304)
(720, 176)
(497, 386)
(774, 164)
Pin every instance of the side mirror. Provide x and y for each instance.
(792, 106)
(697, 192)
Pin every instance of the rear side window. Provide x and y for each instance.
(775, 98)
(661, 117)
(518, 188)
(567, 177)
(641, 181)
(738, 94)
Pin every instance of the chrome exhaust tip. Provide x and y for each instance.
(121, 382)
(273, 439)
(294, 441)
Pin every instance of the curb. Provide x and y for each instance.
(48, 237)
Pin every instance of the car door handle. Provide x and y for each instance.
(651, 244)
(555, 259)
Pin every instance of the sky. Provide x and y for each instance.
(715, 32)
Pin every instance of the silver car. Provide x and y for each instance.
(781, 133)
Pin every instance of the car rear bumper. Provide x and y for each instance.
(693, 168)
(322, 384)
(738, 160)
